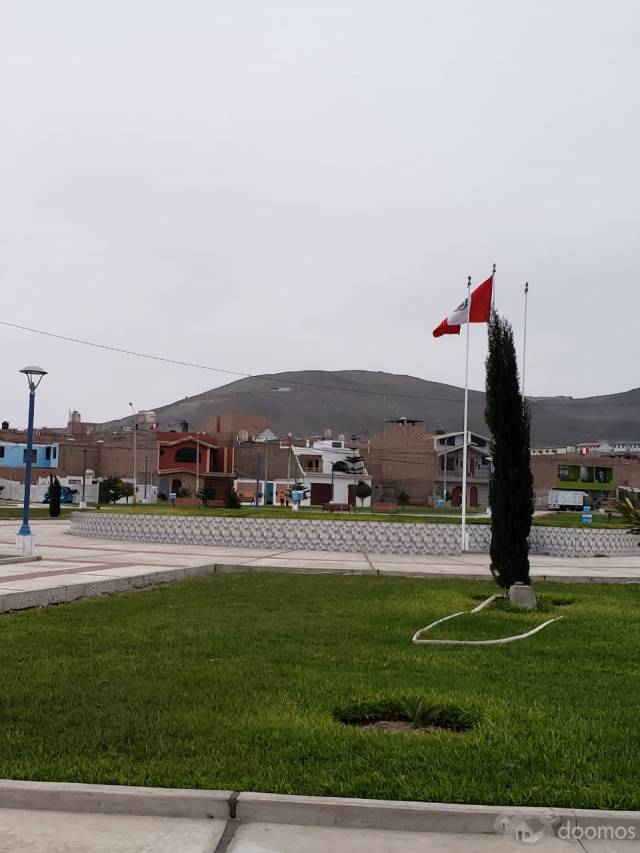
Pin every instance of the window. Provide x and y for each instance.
(586, 474)
(55, 452)
(34, 456)
(186, 454)
(451, 441)
(1, 452)
(564, 473)
(47, 453)
(604, 475)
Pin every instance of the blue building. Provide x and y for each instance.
(14, 455)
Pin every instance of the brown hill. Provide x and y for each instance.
(357, 402)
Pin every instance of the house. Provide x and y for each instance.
(329, 469)
(402, 459)
(600, 477)
(13, 458)
(186, 461)
(449, 448)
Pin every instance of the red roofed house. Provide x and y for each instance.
(188, 460)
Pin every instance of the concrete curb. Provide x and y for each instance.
(19, 600)
(114, 799)
(235, 568)
(8, 561)
(252, 807)
(62, 594)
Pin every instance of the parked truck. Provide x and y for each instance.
(567, 499)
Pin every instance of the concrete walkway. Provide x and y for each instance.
(50, 817)
(74, 567)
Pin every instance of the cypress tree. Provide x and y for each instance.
(511, 493)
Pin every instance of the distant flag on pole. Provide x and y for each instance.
(480, 311)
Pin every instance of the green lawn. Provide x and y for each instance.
(574, 519)
(34, 512)
(231, 681)
(302, 515)
(435, 516)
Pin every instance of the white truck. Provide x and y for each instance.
(566, 499)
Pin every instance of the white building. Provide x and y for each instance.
(329, 469)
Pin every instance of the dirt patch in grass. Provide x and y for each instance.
(403, 727)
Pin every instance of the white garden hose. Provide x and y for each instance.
(416, 637)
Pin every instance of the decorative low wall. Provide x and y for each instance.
(581, 542)
(374, 537)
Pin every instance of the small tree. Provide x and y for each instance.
(363, 491)
(403, 499)
(55, 491)
(126, 490)
(110, 490)
(232, 500)
(511, 490)
(207, 493)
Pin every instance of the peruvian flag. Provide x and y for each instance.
(478, 312)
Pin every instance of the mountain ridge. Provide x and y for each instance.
(357, 402)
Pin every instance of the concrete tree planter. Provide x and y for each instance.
(522, 596)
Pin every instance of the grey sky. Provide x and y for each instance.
(271, 186)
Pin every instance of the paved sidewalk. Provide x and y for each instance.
(51, 817)
(73, 567)
(27, 831)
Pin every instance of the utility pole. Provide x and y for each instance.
(266, 463)
(135, 455)
(197, 467)
(257, 480)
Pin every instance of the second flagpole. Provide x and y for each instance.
(465, 437)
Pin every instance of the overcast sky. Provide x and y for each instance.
(266, 186)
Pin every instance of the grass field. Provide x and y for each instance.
(434, 516)
(428, 516)
(230, 682)
(304, 514)
(35, 512)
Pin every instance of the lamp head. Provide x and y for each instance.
(34, 375)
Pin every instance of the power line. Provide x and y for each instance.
(570, 403)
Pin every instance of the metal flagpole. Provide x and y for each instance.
(524, 345)
(466, 421)
(493, 288)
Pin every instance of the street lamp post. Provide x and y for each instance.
(24, 540)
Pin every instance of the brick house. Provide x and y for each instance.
(188, 460)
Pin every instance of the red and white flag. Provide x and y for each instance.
(479, 312)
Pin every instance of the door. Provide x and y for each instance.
(320, 493)
(268, 494)
(473, 496)
(456, 496)
(352, 494)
